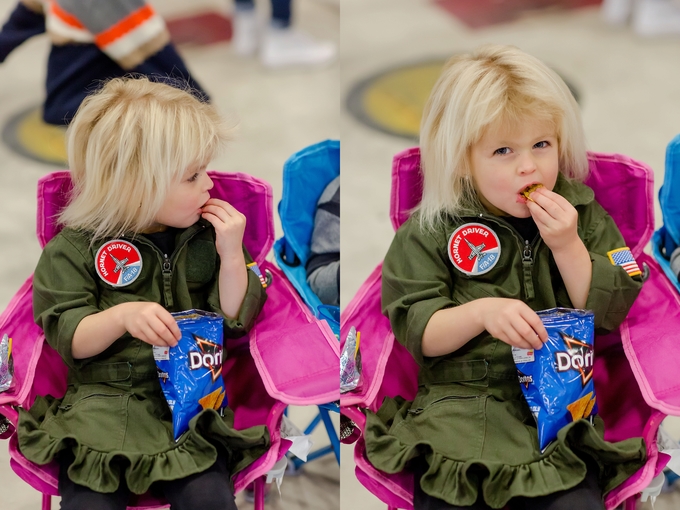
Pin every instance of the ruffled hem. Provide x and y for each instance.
(193, 453)
(560, 468)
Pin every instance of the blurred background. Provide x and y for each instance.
(618, 59)
(281, 104)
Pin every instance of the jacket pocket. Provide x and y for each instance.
(96, 416)
(452, 425)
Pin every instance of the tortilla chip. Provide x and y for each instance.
(220, 399)
(589, 407)
(209, 401)
(530, 189)
(578, 407)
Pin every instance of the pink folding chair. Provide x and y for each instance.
(289, 357)
(635, 373)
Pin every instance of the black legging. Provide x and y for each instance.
(587, 495)
(209, 490)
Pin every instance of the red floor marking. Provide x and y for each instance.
(482, 13)
(200, 29)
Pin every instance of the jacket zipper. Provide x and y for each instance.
(527, 266)
(167, 264)
(527, 256)
(167, 281)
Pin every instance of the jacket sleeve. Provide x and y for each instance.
(612, 289)
(64, 293)
(250, 308)
(416, 283)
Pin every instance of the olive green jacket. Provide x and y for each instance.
(419, 279)
(113, 417)
(469, 420)
(66, 288)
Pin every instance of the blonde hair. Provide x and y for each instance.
(127, 144)
(494, 85)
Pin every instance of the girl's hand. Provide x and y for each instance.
(513, 322)
(229, 227)
(555, 218)
(149, 322)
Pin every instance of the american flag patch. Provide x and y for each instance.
(624, 258)
(256, 269)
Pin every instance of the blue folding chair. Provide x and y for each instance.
(305, 175)
(667, 238)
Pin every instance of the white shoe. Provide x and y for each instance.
(283, 47)
(616, 12)
(246, 32)
(656, 17)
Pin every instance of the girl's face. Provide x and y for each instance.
(182, 206)
(504, 162)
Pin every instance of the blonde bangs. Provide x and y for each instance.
(127, 144)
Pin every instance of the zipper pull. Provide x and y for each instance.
(527, 256)
(166, 263)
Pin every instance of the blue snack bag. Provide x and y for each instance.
(191, 372)
(557, 380)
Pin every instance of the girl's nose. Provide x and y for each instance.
(208, 184)
(526, 165)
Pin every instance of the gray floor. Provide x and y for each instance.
(279, 113)
(630, 91)
(630, 99)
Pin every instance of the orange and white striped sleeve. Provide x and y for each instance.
(128, 31)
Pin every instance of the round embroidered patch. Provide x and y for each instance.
(118, 263)
(474, 249)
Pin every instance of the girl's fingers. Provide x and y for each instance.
(559, 200)
(538, 213)
(149, 336)
(514, 338)
(218, 212)
(547, 204)
(162, 332)
(221, 204)
(170, 325)
(225, 217)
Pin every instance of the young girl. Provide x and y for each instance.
(462, 281)
(138, 152)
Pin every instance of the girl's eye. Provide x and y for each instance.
(542, 144)
(193, 177)
(502, 151)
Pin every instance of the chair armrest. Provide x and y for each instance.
(297, 356)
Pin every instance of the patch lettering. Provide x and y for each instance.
(118, 263)
(474, 249)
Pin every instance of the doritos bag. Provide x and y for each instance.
(191, 372)
(557, 380)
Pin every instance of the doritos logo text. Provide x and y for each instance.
(524, 379)
(210, 357)
(578, 357)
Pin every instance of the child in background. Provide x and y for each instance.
(141, 238)
(92, 43)
(464, 277)
(323, 265)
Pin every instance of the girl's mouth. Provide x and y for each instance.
(524, 194)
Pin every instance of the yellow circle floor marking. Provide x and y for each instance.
(396, 100)
(29, 135)
(392, 101)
